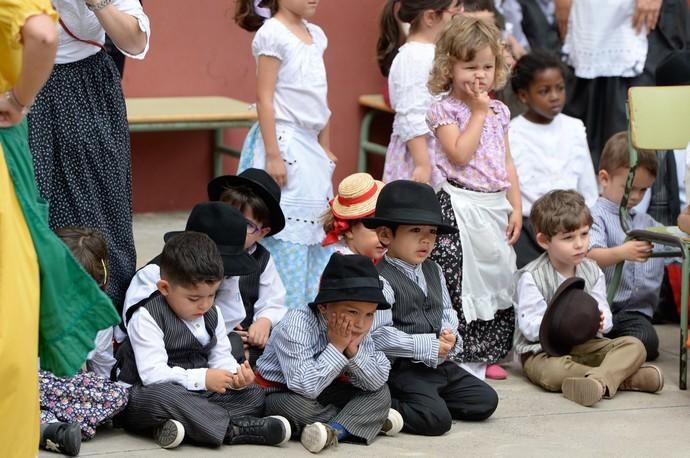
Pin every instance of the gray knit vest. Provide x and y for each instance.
(546, 278)
(413, 311)
(183, 348)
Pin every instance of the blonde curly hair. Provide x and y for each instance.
(460, 41)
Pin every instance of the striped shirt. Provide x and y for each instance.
(421, 348)
(640, 283)
(299, 355)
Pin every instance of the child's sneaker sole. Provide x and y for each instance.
(317, 436)
(393, 424)
(582, 390)
(288, 428)
(170, 435)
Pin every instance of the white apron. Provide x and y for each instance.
(488, 261)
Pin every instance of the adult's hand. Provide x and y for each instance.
(646, 13)
(10, 114)
(562, 14)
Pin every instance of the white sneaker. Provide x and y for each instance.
(318, 436)
(170, 434)
(393, 424)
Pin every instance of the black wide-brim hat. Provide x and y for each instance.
(263, 186)
(571, 318)
(674, 70)
(350, 278)
(408, 202)
(227, 227)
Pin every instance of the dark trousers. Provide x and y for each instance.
(429, 399)
(237, 350)
(362, 413)
(527, 249)
(205, 415)
(636, 325)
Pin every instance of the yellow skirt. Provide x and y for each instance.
(19, 307)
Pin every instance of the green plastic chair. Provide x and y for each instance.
(659, 119)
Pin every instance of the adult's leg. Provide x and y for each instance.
(467, 397)
(636, 325)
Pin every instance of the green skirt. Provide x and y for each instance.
(73, 308)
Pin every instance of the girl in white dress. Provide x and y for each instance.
(293, 145)
(409, 155)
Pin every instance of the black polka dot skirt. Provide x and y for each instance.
(79, 141)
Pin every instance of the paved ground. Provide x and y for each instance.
(528, 421)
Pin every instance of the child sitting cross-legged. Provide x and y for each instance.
(593, 367)
(185, 382)
(321, 369)
(356, 199)
(257, 195)
(420, 331)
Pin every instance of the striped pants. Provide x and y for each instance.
(205, 415)
(636, 324)
(362, 413)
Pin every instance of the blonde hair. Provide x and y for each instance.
(460, 41)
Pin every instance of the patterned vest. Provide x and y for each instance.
(249, 284)
(546, 278)
(183, 348)
(413, 311)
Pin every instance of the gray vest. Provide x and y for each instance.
(413, 311)
(183, 348)
(546, 278)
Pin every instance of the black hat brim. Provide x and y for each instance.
(549, 342)
(372, 295)
(374, 222)
(218, 185)
(235, 263)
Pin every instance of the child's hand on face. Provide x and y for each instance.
(276, 168)
(514, 227)
(258, 332)
(243, 377)
(339, 333)
(353, 346)
(479, 99)
(637, 250)
(218, 380)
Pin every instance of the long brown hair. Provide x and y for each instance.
(89, 248)
(391, 37)
(246, 17)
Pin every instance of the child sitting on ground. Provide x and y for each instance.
(227, 227)
(598, 367)
(342, 223)
(420, 332)
(549, 148)
(72, 408)
(185, 382)
(637, 295)
(257, 196)
(321, 370)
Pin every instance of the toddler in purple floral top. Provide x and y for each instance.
(481, 193)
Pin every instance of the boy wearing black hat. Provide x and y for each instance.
(257, 195)
(227, 227)
(560, 344)
(320, 368)
(420, 332)
(184, 381)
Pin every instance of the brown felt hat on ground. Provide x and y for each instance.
(571, 318)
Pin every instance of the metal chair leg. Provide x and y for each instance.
(363, 139)
(683, 375)
(615, 281)
(218, 152)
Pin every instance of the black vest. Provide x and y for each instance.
(414, 312)
(183, 348)
(249, 284)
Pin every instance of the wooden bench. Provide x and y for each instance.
(156, 114)
(373, 104)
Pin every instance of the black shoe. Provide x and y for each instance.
(264, 431)
(170, 434)
(62, 438)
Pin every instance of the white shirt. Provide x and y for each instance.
(152, 358)
(551, 156)
(341, 248)
(301, 87)
(407, 86)
(143, 284)
(531, 305)
(271, 301)
(85, 25)
(601, 39)
(101, 361)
